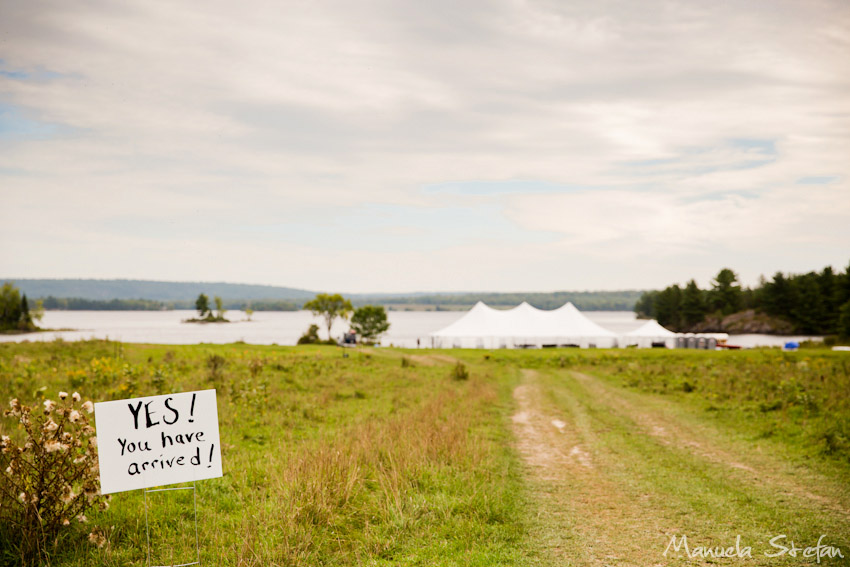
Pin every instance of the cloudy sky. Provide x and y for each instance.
(398, 145)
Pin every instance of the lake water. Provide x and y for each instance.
(282, 327)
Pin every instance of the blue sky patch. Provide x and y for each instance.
(748, 154)
(766, 147)
(16, 125)
(36, 74)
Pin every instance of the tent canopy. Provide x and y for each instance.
(651, 329)
(523, 325)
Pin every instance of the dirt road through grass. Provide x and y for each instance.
(616, 474)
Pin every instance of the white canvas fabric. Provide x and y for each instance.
(523, 326)
(648, 333)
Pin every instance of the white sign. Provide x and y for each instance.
(157, 440)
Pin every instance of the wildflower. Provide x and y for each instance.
(68, 494)
(97, 539)
(52, 446)
(93, 441)
(50, 425)
(49, 405)
(88, 406)
(75, 396)
(4, 440)
(65, 521)
(63, 395)
(75, 416)
(82, 518)
(23, 497)
(79, 459)
(90, 489)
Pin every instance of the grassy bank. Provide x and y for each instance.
(561, 457)
(328, 460)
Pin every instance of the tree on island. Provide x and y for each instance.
(205, 312)
(219, 307)
(202, 304)
(370, 322)
(329, 307)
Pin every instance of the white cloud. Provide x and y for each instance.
(686, 125)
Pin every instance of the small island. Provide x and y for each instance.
(206, 314)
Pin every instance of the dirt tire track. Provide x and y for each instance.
(558, 449)
(752, 468)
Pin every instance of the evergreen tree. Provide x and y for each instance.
(693, 304)
(827, 283)
(842, 288)
(776, 296)
(25, 322)
(645, 306)
(807, 306)
(668, 306)
(844, 320)
(725, 295)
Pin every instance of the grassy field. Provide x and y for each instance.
(554, 457)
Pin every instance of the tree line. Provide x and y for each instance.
(83, 304)
(584, 300)
(816, 303)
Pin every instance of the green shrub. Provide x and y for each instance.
(310, 336)
(460, 372)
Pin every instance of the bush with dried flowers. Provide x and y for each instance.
(49, 477)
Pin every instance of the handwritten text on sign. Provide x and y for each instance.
(156, 440)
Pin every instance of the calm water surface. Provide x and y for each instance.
(281, 327)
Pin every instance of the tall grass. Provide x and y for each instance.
(328, 460)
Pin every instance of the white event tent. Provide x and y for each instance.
(523, 326)
(649, 333)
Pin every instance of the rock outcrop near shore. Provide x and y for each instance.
(744, 322)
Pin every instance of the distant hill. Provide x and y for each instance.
(88, 294)
(105, 290)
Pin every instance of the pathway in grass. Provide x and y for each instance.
(617, 474)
